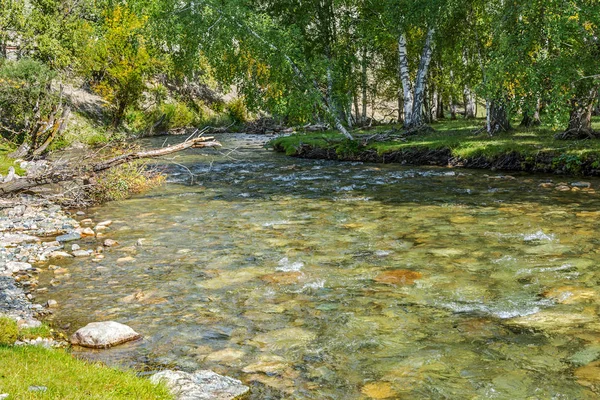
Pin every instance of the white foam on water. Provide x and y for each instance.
(539, 236)
(382, 253)
(318, 284)
(352, 198)
(286, 266)
(272, 223)
(563, 267)
(505, 310)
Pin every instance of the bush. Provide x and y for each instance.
(9, 331)
(120, 182)
(237, 110)
(23, 84)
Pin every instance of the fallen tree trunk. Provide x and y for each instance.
(61, 174)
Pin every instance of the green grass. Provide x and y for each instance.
(6, 162)
(68, 378)
(43, 331)
(460, 138)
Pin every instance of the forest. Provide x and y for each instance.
(158, 64)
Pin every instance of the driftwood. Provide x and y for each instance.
(66, 173)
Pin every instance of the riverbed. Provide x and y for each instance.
(314, 279)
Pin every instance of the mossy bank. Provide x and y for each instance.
(453, 144)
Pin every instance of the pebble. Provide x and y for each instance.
(51, 304)
(82, 253)
(68, 237)
(110, 243)
(87, 232)
(75, 247)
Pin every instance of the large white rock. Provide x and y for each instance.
(201, 385)
(102, 335)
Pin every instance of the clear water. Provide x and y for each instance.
(264, 268)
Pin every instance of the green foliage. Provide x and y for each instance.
(69, 378)
(8, 331)
(121, 182)
(25, 90)
(117, 59)
(237, 110)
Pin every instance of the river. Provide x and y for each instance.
(322, 280)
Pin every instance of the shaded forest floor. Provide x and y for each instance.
(455, 144)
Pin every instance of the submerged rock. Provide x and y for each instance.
(226, 356)
(378, 390)
(588, 375)
(282, 278)
(102, 335)
(552, 320)
(571, 294)
(285, 338)
(201, 385)
(398, 277)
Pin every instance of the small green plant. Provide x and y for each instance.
(8, 331)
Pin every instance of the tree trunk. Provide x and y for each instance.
(403, 71)
(470, 112)
(357, 117)
(497, 118)
(363, 84)
(400, 106)
(439, 112)
(452, 109)
(435, 101)
(421, 81)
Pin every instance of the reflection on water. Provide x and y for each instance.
(321, 280)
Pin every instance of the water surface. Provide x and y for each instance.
(268, 269)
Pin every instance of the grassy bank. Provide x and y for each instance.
(66, 377)
(454, 143)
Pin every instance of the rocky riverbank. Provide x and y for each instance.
(28, 231)
(34, 233)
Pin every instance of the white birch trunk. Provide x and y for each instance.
(421, 81)
(405, 79)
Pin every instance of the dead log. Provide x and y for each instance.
(66, 173)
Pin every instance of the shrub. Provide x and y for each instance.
(120, 182)
(9, 331)
(23, 84)
(237, 110)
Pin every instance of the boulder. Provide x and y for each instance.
(102, 335)
(201, 385)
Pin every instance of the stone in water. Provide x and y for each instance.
(201, 385)
(102, 335)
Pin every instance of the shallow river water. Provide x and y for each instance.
(321, 280)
